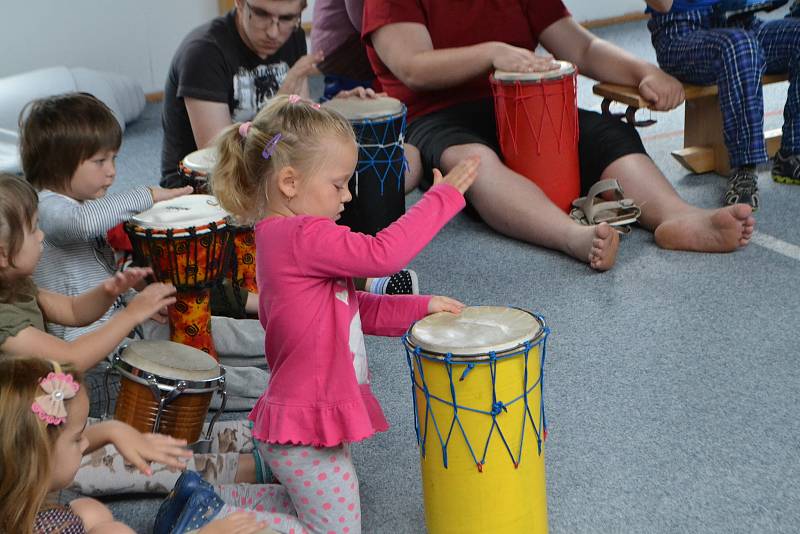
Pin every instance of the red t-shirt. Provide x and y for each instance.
(454, 23)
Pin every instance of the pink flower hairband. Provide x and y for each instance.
(58, 387)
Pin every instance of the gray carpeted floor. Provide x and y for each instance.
(673, 383)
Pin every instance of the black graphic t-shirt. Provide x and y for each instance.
(213, 63)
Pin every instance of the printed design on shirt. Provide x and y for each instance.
(359, 350)
(253, 87)
(342, 294)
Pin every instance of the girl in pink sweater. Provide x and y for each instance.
(287, 172)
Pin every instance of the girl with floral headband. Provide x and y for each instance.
(43, 413)
(288, 173)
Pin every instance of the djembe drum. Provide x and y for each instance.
(167, 387)
(537, 128)
(185, 240)
(378, 185)
(477, 382)
(196, 167)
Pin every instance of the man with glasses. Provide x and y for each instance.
(225, 71)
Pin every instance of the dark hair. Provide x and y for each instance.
(18, 206)
(58, 133)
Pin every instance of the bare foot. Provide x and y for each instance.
(596, 245)
(720, 230)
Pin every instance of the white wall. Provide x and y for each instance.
(132, 37)
(137, 38)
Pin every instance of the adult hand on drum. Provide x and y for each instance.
(462, 176)
(125, 280)
(662, 90)
(140, 449)
(150, 301)
(159, 193)
(359, 92)
(444, 304)
(303, 68)
(515, 59)
(237, 523)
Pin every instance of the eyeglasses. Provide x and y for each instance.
(264, 19)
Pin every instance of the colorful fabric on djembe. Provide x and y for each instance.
(166, 387)
(196, 168)
(537, 128)
(477, 383)
(378, 185)
(185, 240)
(242, 270)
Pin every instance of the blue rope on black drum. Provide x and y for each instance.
(494, 410)
(380, 149)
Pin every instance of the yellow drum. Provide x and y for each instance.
(479, 416)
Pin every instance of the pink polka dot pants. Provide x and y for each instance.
(322, 485)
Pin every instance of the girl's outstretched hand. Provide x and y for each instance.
(462, 176)
(139, 449)
(444, 304)
(159, 193)
(238, 523)
(125, 280)
(150, 301)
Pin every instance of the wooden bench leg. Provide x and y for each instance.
(772, 138)
(704, 147)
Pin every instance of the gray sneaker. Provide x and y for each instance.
(743, 187)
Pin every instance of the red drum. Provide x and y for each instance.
(185, 240)
(537, 127)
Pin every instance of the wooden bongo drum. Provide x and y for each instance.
(479, 417)
(185, 240)
(166, 387)
(537, 128)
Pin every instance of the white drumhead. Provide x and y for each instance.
(565, 69)
(167, 359)
(354, 109)
(182, 212)
(201, 161)
(477, 330)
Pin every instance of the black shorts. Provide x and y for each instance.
(602, 140)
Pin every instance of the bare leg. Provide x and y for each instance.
(676, 224)
(414, 171)
(516, 207)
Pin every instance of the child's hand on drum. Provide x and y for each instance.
(159, 193)
(237, 523)
(139, 449)
(444, 304)
(462, 176)
(125, 280)
(150, 300)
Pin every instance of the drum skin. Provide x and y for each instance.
(504, 491)
(537, 128)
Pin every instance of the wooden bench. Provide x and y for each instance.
(703, 144)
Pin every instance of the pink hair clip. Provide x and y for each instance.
(294, 99)
(244, 128)
(58, 387)
(315, 105)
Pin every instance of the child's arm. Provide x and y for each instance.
(392, 315)
(89, 306)
(138, 448)
(85, 351)
(64, 220)
(325, 249)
